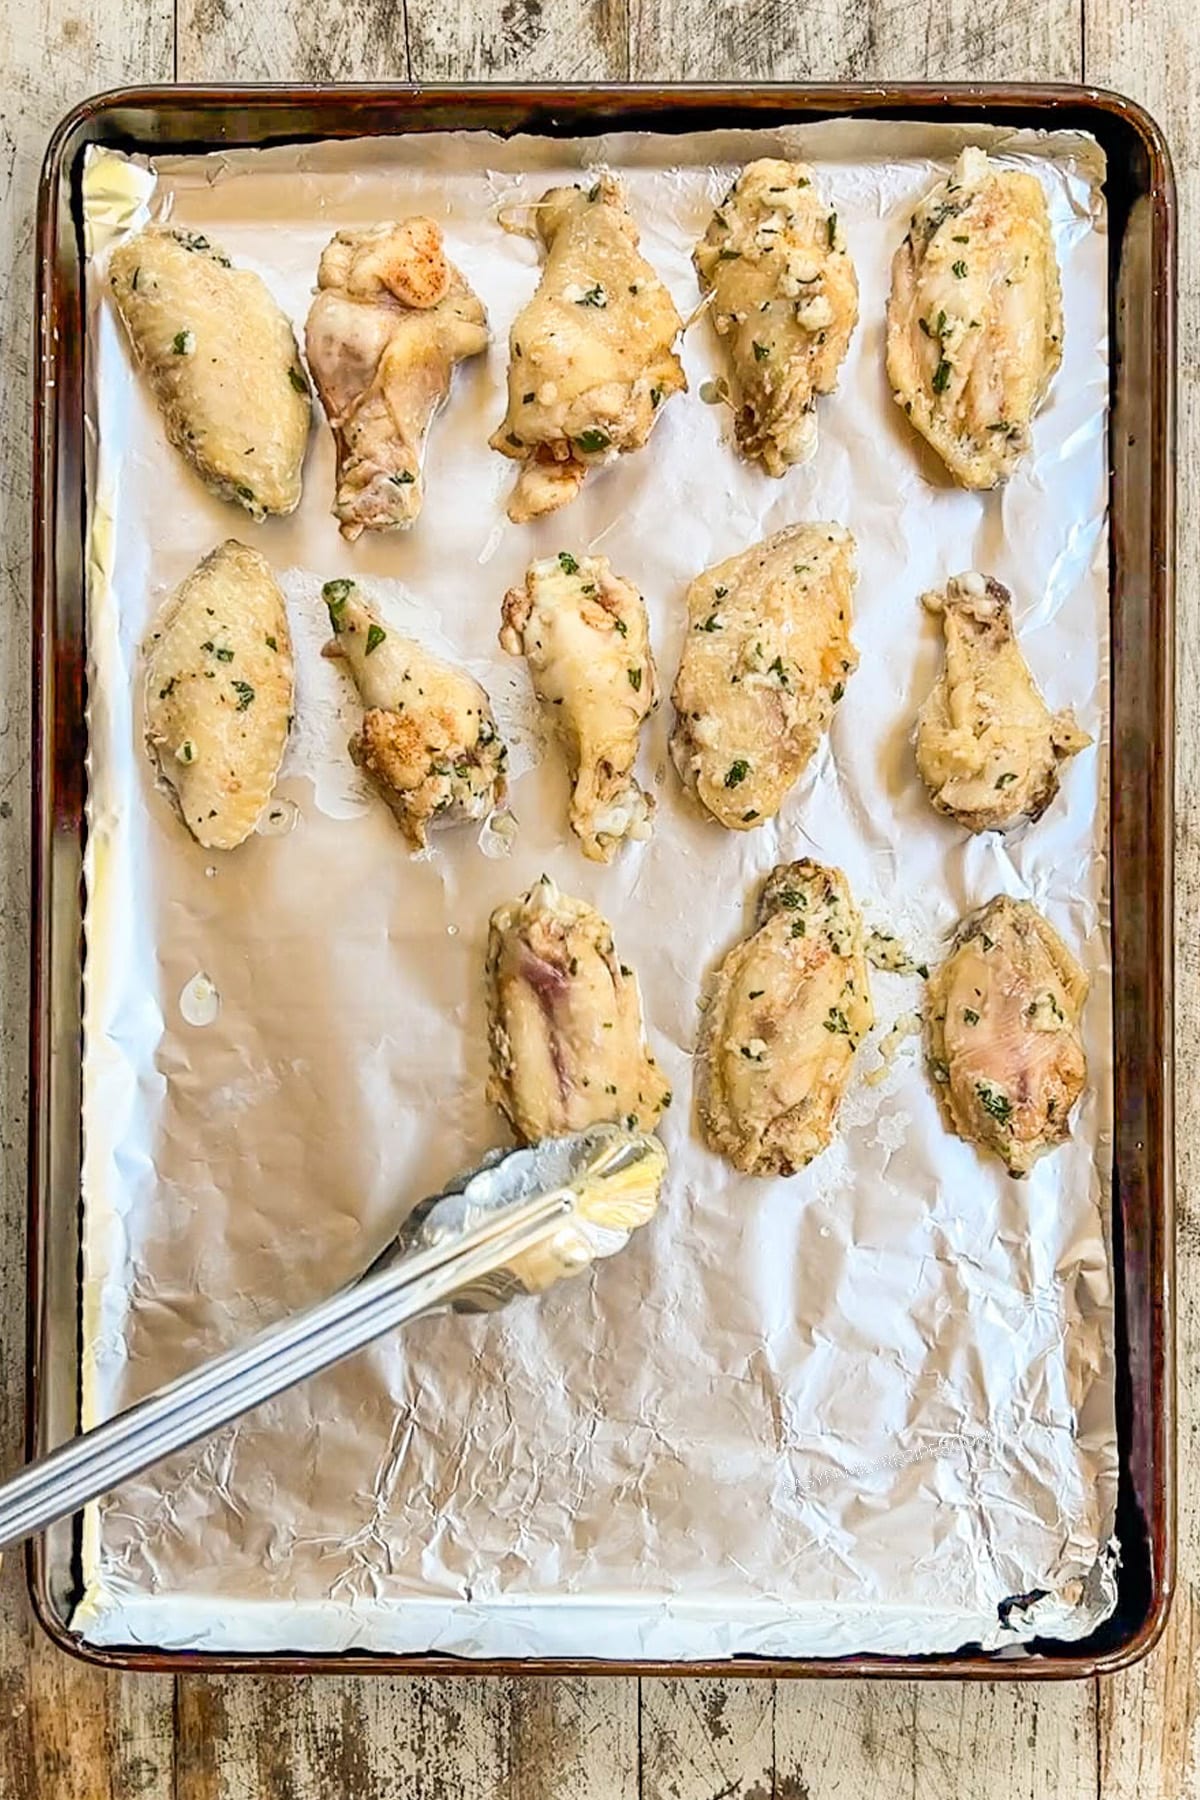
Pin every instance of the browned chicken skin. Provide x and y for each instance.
(788, 1009)
(1003, 1037)
(592, 355)
(391, 319)
(565, 1022)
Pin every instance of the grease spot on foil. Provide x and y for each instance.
(498, 835)
(280, 817)
(715, 392)
(494, 539)
(199, 1001)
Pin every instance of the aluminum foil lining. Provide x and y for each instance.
(869, 1408)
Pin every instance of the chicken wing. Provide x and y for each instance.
(988, 748)
(427, 740)
(391, 319)
(591, 355)
(565, 1021)
(585, 636)
(785, 299)
(221, 359)
(766, 658)
(787, 1011)
(1003, 1035)
(974, 329)
(219, 694)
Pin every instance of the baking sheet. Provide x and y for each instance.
(860, 1409)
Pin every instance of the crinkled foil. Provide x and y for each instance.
(860, 1409)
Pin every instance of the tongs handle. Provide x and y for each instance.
(220, 1390)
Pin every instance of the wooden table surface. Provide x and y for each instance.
(69, 1732)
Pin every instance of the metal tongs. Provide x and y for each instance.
(515, 1225)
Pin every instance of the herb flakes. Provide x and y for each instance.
(996, 1104)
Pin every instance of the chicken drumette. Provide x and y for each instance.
(988, 748)
(592, 355)
(788, 1009)
(1002, 1027)
(427, 740)
(587, 642)
(766, 658)
(974, 326)
(785, 301)
(565, 1022)
(391, 319)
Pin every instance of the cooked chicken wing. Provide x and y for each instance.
(391, 319)
(974, 331)
(219, 694)
(221, 358)
(427, 740)
(785, 299)
(1003, 1035)
(587, 641)
(591, 355)
(767, 656)
(565, 1028)
(988, 747)
(788, 1009)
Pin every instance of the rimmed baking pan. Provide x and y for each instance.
(1141, 278)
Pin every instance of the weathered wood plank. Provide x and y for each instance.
(1150, 1717)
(66, 1731)
(247, 1739)
(829, 40)
(520, 40)
(703, 1739)
(846, 1740)
(379, 1739)
(1043, 1739)
(254, 1739)
(322, 40)
(94, 1735)
(574, 1740)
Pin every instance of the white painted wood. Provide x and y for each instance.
(67, 1731)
